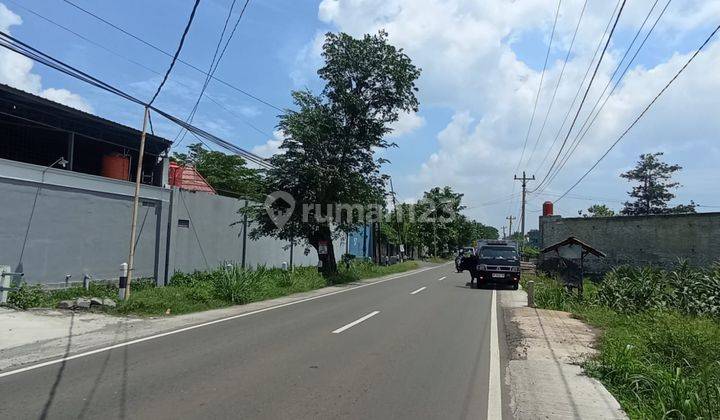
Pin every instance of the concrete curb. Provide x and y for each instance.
(542, 374)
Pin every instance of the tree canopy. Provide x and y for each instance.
(600, 210)
(654, 185)
(228, 174)
(330, 140)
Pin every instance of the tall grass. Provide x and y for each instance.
(659, 349)
(198, 291)
(692, 291)
(224, 286)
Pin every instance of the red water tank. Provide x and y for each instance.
(116, 166)
(548, 208)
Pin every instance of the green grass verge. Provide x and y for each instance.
(657, 363)
(201, 291)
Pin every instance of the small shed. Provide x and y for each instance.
(570, 255)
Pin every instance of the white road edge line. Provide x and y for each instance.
(418, 290)
(204, 324)
(442, 278)
(357, 321)
(494, 405)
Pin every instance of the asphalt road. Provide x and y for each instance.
(381, 351)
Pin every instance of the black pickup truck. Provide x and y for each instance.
(496, 262)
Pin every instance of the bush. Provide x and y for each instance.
(529, 251)
(28, 296)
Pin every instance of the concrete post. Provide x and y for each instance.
(531, 294)
(5, 279)
(122, 287)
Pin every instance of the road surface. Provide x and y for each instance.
(418, 346)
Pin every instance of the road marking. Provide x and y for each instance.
(494, 392)
(418, 290)
(204, 324)
(357, 321)
(442, 278)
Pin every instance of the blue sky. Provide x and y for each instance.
(481, 67)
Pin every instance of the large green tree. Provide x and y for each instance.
(331, 137)
(438, 218)
(228, 174)
(654, 185)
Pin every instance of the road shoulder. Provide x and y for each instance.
(542, 372)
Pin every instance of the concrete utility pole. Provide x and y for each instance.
(524, 180)
(504, 235)
(136, 199)
(510, 219)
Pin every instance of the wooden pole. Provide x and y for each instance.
(136, 200)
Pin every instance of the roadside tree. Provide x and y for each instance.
(330, 140)
(653, 190)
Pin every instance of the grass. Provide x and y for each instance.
(659, 360)
(201, 291)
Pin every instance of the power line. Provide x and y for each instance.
(587, 91)
(215, 62)
(579, 89)
(177, 52)
(591, 118)
(26, 50)
(141, 65)
(557, 85)
(180, 60)
(542, 77)
(697, 52)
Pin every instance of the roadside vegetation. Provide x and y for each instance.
(661, 331)
(199, 291)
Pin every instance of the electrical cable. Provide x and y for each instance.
(590, 120)
(22, 48)
(214, 63)
(143, 66)
(542, 77)
(177, 52)
(587, 91)
(557, 85)
(579, 89)
(160, 50)
(690, 60)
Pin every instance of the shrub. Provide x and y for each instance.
(28, 296)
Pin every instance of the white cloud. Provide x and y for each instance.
(307, 61)
(467, 50)
(271, 147)
(406, 124)
(16, 70)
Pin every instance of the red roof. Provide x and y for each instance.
(187, 178)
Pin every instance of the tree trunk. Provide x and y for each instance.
(328, 265)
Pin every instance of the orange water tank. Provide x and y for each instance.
(548, 208)
(116, 166)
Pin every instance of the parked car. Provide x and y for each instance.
(496, 262)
